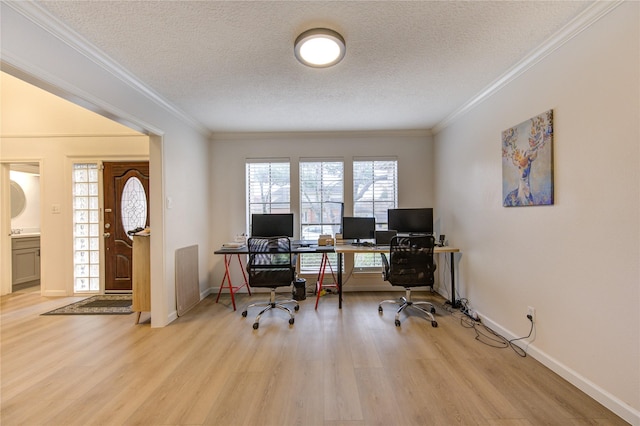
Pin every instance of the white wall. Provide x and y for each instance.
(576, 262)
(178, 153)
(413, 150)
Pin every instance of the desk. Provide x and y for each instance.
(229, 253)
(342, 249)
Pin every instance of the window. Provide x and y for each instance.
(375, 190)
(268, 187)
(134, 205)
(86, 239)
(321, 204)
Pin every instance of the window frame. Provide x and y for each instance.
(365, 262)
(94, 262)
(268, 206)
(310, 263)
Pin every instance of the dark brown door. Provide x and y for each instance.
(126, 207)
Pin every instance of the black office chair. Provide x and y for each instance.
(271, 264)
(410, 265)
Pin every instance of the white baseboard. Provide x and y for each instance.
(346, 289)
(611, 402)
(54, 293)
(372, 287)
(173, 315)
(205, 293)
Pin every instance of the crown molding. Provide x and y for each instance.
(581, 22)
(358, 134)
(45, 20)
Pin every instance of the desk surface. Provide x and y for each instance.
(245, 250)
(338, 248)
(349, 248)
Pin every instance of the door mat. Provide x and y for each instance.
(108, 304)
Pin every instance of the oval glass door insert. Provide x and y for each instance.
(133, 205)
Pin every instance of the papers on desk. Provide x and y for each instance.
(233, 245)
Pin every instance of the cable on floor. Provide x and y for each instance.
(485, 334)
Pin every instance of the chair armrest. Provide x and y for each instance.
(385, 266)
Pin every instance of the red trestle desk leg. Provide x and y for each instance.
(321, 271)
(227, 278)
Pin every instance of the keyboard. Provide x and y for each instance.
(303, 243)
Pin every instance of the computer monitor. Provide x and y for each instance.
(383, 237)
(358, 228)
(411, 221)
(272, 225)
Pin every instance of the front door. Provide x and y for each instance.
(126, 207)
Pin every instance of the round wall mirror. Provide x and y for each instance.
(18, 200)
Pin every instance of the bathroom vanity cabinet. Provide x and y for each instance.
(25, 260)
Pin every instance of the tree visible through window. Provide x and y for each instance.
(375, 190)
(321, 204)
(268, 187)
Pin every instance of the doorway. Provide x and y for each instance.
(126, 208)
(25, 217)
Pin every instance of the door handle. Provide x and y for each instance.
(107, 234)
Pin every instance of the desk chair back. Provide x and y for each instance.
(271, 263)
(410, 262)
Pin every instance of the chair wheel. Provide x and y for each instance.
(379, 309)
(256, 325)
(291, 321)
(397, 323)
(433, 310)
(296, 308)
(434, 324)
(244, 313)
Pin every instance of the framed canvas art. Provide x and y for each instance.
(527, 162)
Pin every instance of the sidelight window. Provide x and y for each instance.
(86, 221)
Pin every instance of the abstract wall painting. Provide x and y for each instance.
(527, 162)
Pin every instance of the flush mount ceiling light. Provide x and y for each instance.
(319, 48)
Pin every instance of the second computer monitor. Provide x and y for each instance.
(272, 225)
(358, 228)
(411, 221)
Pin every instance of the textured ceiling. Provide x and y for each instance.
(230, 64)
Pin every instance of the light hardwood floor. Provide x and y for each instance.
(332, 367)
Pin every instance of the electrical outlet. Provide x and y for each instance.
(531, 313)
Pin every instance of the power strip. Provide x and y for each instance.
(471, 314)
